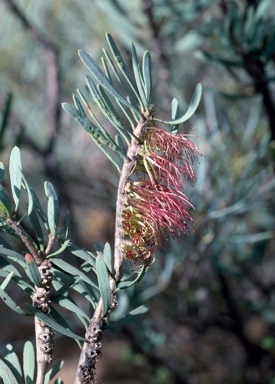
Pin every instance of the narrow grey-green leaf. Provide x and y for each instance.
(39, 210)
(262, 9)
(58, 381)
(103, 282)
(126, 89)
(146, 70)
(19, 259)
(33, 269)
(73, 112)
(53, 324)
(82, 254)
(107, 257)
(175, 116)
(53, 207)
(97, 98)
(119, 142)
(65, 302)
(12, 361)
(107, 108)
(5, 264)
(127, 284)
(11, 303)
(106, 70)
(30, 195)
(95, 133)
(12, 255)
(4, 272)
(77, 285)
(118, 58)
(61, 321)
(61, 249)
(98, 247)
(139, 79)
(121, 64)
(60, 289)
(53, 371)
(102, 78)
(191, 109)
(3, 242)
(86, 291)
(5, 283)
(28, 362)
(175, 109)
(97, 142)
(72, 271)
(128, 117)
(7, 376)
(87, 267)
(102, 102)
(112, 114)
(2, 171)
(5, 204)
(78, 105)
(37, 228)
(85, 123)
(110, 62)
(131, 317)
(15, 170)
(68, 226)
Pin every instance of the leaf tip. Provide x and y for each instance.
(80, 53)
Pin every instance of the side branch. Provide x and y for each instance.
(18, 229)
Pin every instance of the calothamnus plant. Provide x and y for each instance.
(154, 165)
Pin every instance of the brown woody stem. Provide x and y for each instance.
(19, 230)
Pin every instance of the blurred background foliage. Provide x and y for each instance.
(212, 295)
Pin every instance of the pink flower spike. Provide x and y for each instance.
(155, 205)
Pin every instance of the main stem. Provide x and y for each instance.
(91, 350)
(41, 299)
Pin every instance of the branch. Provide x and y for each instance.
(91, 350)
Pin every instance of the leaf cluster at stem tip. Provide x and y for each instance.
(123, 99)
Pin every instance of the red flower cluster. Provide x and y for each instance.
(156, 205)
